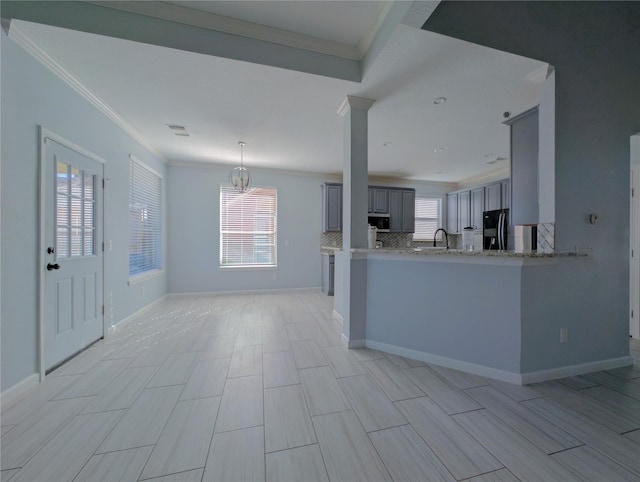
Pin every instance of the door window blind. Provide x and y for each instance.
(248, 225)
(427, 218)
(145, 215)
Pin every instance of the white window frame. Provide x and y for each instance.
(250, 266)
(418, 234)
(158, 265)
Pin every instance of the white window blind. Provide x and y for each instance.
(248, 225)
(427, 218)
(145, 215)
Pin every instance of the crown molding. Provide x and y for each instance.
(495, 175)
(233, 26)
(45, 59)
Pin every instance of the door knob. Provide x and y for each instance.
(53, 266)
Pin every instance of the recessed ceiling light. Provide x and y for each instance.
(440, 100)
(438, 149)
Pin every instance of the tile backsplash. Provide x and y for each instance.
(546, 237)
(397, 240)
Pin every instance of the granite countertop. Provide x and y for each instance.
(459, 252)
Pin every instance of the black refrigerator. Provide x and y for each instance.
(494, 230)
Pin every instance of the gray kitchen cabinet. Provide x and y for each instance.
(380, 201)
(402, 210)
(408, 211)
(493, 196)
(332, 205)
(328, 276)
(452, 212)
(477, 207)
(464, 210)
(524, 168)
(505, 188)
(395, 210)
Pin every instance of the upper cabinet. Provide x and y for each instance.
(465, 208)
(402, 209)
(332, 205)
(379, 200)
(493, 196)
(399, 203)
(524, 168)
(408, 211)
(452, 212)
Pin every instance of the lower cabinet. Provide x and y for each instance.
(328, 275)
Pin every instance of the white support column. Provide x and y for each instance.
(354, 217)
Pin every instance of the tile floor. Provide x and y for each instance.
(260, 387)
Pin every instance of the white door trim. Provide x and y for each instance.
(46, 134)
(634, 253)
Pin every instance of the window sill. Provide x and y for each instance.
(139, 278)
(249, 268)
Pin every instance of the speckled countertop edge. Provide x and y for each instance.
(451, 252)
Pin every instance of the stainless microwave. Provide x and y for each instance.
(380, 221)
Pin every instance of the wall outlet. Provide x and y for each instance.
(275, 276)
(142, 291)
(286, 242)
(564, 335)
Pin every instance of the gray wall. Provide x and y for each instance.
(463, 311)
(32, 96)
(594, 48)
(194, 232)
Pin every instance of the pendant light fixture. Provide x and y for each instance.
(240, 178)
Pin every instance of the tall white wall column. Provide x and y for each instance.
(354, 217)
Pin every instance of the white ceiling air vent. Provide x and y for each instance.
(178, 130)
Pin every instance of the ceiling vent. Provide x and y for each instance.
(178, 130)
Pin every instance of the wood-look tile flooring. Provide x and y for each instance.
(260, 387)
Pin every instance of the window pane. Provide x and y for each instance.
(76, 211)
(62, 242)
(145, 229)
(62, 177)
(76, 181)
(76, 242)
(427, 218)
(88, 242)
(62, 210)
(88, 221)
(248, 227)
(89, 180)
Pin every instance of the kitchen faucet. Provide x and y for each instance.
(446, 236)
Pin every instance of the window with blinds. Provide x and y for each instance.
(427, 218)
(145, 216)
(248, 226)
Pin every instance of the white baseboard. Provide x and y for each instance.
(132, 316)
(480, 370)
(16, 392)
(239, 292)
(573, 370)
(497, 374)
(337, 316)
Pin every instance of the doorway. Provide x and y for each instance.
(71, 250)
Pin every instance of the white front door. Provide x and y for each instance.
(73, 265)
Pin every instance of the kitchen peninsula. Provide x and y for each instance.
(465, 310)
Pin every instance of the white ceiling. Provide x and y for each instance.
(288, 119)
